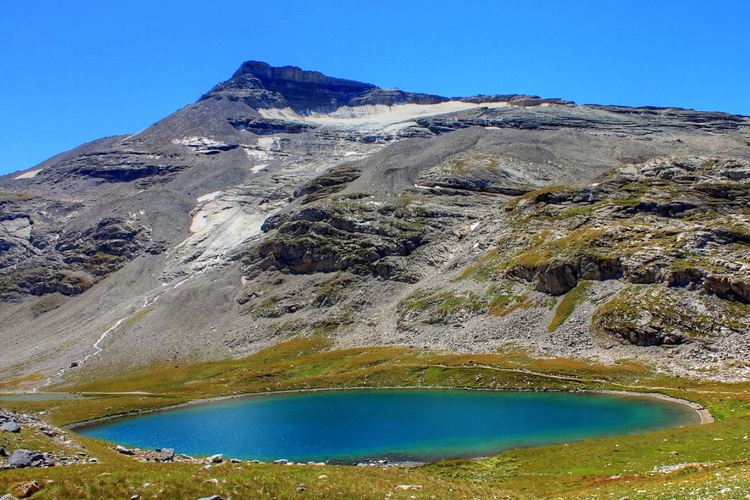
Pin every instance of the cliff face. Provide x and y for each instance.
(260, 85)
(288, 202)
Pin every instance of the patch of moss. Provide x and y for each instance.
(577, 211)
(329, 326)
(46, 304)
(481, 271)
(133, 318)
(624, 310)
(442, 302)
(568, 304)
(498, 300)
(694, 262)
(332, 291)
(270, 307)
(654, 312)
(544, 250)
(9, 196)
(477, 161)
(503, 301)
(330, 182)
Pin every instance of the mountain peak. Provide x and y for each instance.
(260, 85)
(271, 74)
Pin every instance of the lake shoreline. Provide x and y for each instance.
(704, 415)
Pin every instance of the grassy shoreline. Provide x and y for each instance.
(700, 458)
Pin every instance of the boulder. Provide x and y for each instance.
(212, 497)
(24, 458)
(646, 334)
(124, 451)
(4, 453)
(25, 490)
(216, 459)
(10, 427)
(166, 454)
(408, 487)
(599, 268)
(728, 287)
(683, 277)
(554, 279)
(49, 432)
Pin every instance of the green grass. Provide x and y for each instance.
(477, 162)
(624, 312)
(481, 271)
(442, 306)
(9, 196)
(577, 243)
(583, 210)
(568, 304)
(431, 306)
(503, 300)
(598, 468)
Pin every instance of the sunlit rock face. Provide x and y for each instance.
(287, 202)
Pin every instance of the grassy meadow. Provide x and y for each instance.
(699, 461)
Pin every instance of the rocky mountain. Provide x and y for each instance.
(285, 202)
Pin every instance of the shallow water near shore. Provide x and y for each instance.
(395, 424)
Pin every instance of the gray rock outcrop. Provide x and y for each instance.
(10, 427)
(24, 458)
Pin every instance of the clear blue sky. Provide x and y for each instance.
(78, 70)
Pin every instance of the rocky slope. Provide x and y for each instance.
(285, 202)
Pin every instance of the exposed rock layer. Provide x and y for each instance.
(286, 202)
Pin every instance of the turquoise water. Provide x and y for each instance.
(424, 425)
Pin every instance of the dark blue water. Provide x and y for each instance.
(423, 425)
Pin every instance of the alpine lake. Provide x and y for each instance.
(398, 425)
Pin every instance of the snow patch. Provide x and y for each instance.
(396, 127)
(262, 151)
(219, 230)
(208, 197)
(28, 175)
(202, 145)
(200, 217)
(268, 142)
(200, 221)
(375, 117)
(256, 154)
(219, 225)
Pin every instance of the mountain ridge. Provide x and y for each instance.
(287, 202)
